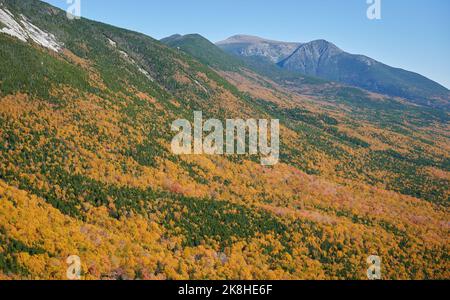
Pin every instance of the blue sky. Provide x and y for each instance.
(412, 34)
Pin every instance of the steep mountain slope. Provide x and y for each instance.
(325, 60)
(203, 50)
(308, 57)
(86, 167)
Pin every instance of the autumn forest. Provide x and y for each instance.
(86, 166)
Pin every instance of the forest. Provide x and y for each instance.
(87, 170)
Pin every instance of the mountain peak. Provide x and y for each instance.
(323, 44)
(202, 49)
(317, 48)
(178, 37)
(171, 38)
(243, 39)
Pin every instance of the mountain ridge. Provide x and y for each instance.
(246, 45)
(323, 59)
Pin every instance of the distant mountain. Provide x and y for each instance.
(249, 46)
(309, 59)
(212, 55)
(325, 60)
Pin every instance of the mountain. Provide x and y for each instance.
(213, 56)
(204, 50)
(87, 170)
(308, 58)
(325, 60)
(245, 45)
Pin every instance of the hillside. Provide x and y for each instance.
(330, 117)
(86, 167)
